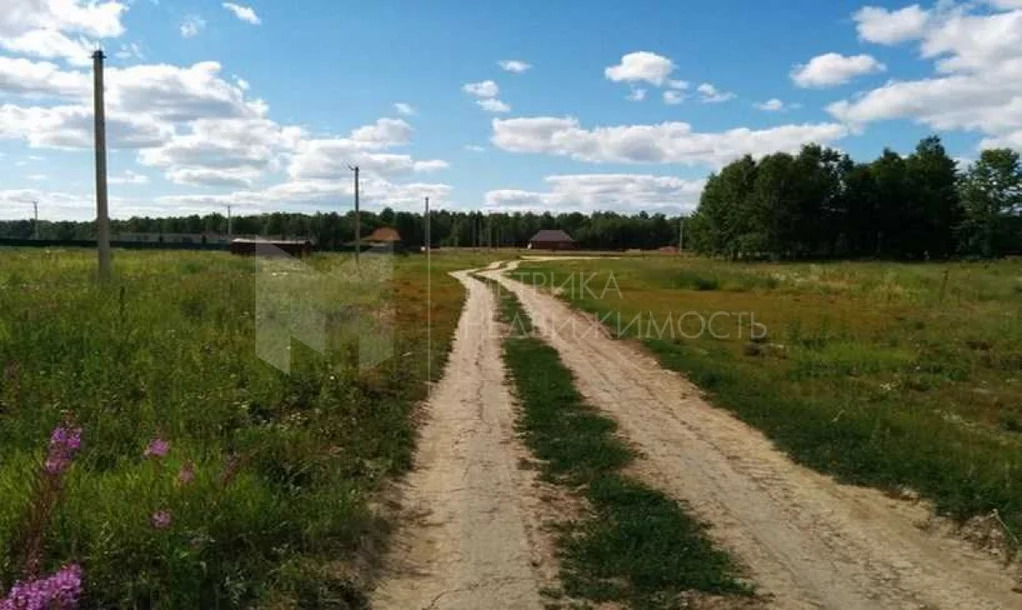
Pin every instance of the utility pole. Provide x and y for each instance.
(358, 224)
(230, 228)
(102, 209)
(35, 223)
(426, 218)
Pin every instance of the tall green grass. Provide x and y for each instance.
(891, 375)
(278, 513)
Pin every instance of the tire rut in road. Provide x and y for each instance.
(470, 536)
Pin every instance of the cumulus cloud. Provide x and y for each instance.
(404, 109)
(883, 26)
(709, 94)
(486, 88)
(224, 151)
(602, 192)
(59, 28)
(21, 76)
(514, 65)
(486, 93)
(72, 127)
(831, 69)
(245, 13)
(775, 105)
(671, 142)
(641, 66)
(493, 105)
(977, 86)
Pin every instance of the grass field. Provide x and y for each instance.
(263, 498)
(635, 545)
(893, 375)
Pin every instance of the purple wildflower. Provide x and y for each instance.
(157, 448)
(161, 519)
(59, 591)
(187, 473)
(64, 443)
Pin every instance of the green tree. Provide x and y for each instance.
(992, 204)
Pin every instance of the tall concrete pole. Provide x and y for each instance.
(358, 223)
(102, 209)
(230, 228)
(35, 225)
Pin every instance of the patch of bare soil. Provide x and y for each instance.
(807, 541)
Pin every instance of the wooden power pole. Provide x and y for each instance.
(35, 222)
(358, 223)
(102, 209)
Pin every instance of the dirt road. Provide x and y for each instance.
(808, 541)
(470, 536)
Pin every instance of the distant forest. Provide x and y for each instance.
(600, 230)
(816, 204)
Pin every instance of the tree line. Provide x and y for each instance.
(335, 231)
(819, 203)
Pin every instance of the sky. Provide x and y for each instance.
(530, 105)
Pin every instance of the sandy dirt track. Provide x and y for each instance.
(807, 541)
(468, 538)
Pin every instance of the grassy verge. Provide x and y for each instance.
(263, 497)
(636, 546)
(891, 375)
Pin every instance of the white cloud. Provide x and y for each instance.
(977, 58)
(72, 127)
(514, 65)
(641, 66)
(677, 84)
(475, 148)
(671, 142)
(602, 192)
(129, 177)
(88, 17)
(832, 69)
(329, 158)
(226, 151)
(404, 109)
(245, 13)
(711, 95)
(882, 26)
(637, 94)
(486, 88)
(41, 79)
(493, 105)
(775, 105)
(673, 97)
(51, 44)
(192, 25)
(178, 94)
(486, 93)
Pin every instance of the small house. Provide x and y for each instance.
(552, 239)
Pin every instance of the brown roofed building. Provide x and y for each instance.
(552, 239)
(384, 235)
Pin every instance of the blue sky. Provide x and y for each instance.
(626, 106)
